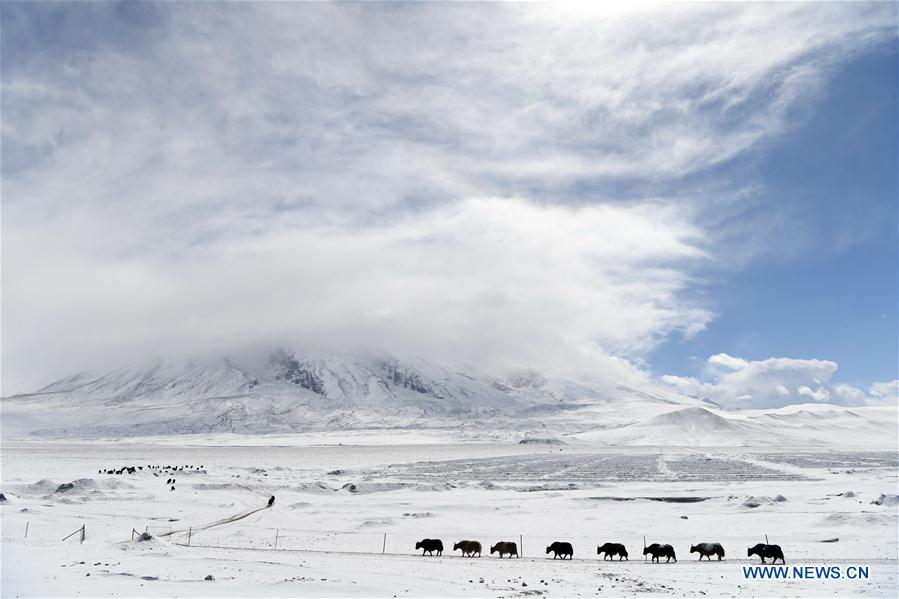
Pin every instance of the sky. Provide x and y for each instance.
(698, 196)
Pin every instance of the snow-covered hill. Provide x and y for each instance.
(288, 392)
(793, 426)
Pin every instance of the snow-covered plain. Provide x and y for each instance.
(335, 503)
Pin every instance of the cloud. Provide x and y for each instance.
(886, 392)
(774, 382)
(728, 362)
(253, 110)
(457, 179)
(499, 281)
(819, 394)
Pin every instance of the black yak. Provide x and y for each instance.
(505, 547)
(707, 550)
(271, 501)
(430, 546)
(468, 548)
(764, 551)
(560, 548)
(657, 551)
(611, 550)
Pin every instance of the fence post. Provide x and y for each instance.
(189, 532)
(26, 528)
(82, 532)
(384, 544)
(520, 545)
(276, 538)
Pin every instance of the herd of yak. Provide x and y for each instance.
(156, 470)
(563, 550)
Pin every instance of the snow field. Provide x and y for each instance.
(334, 505)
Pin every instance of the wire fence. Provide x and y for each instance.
(808, 546)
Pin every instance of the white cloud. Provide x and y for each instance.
(774, 382)
(819, 394)
(728, 362)
(498, 281)
(886, 392)
(849, 394)
(234, 173)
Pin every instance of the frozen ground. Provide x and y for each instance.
(334, 505)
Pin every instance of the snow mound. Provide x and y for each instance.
(45, 485)
(847, 494)
(885, 499)
(80, 485)
(754, 501)
(364, 488)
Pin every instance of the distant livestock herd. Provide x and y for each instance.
(564, 550)
(156, 469)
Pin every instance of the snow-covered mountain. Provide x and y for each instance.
(290, 392)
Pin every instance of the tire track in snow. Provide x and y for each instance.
(223, 521)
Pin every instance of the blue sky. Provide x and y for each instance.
(835, 293)
(700, 198)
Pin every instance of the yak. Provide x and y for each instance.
(560, 548)
(469, 548)
(611, 550)
(430, 546)
(707, 550)
(762, 550)
(657, 551)
(504, 547)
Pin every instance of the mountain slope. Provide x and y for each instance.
(288, 392)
